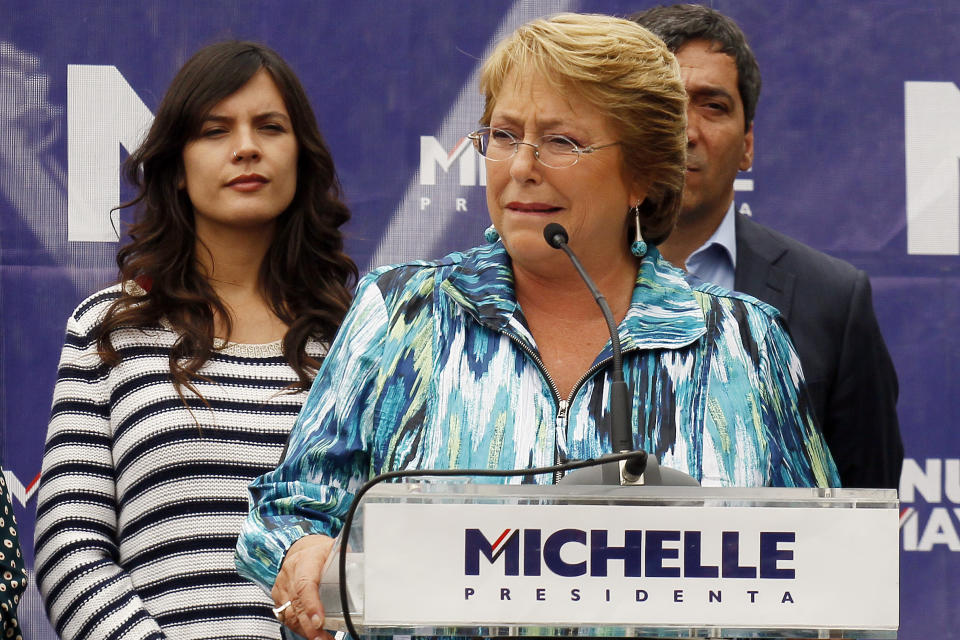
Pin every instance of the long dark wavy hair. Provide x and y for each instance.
(305, 275)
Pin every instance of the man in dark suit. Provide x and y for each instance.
(826, 302)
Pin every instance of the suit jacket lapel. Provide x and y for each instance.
(757, 272)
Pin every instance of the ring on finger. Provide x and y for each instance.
(279, 610)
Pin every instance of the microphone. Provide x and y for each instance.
(556, 236)
(621, 434)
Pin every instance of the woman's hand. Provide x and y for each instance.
(299, 583)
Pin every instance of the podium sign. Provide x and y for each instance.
(521, 560)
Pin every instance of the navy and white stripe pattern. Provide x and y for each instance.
(142, 498)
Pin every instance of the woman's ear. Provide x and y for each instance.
(638, 192)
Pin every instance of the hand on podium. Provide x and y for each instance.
(296, 591)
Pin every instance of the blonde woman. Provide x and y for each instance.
(497, 357)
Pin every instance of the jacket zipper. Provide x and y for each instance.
(563, 405)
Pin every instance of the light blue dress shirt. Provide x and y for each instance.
(716, 260)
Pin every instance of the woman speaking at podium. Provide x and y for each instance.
(498, 357)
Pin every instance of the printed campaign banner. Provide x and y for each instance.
(757, 567)
(857, 138)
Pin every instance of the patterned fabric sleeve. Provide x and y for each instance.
(799, 454)
(87, 594)
(327, 459)
(14, 578)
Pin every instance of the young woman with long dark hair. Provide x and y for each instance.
(179, 385)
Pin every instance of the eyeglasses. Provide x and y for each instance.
(554, 151)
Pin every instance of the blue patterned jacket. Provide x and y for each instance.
(434, 368)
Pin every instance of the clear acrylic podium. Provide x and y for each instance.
(463, 559)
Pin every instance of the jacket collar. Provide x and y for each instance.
(759, 272)
(663, 312)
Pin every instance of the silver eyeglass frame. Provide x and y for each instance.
(577, 151)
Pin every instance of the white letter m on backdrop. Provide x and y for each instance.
(103, 114)
(932, 147)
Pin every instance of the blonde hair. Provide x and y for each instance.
(628, 74)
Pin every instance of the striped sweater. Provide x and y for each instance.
(141, 498)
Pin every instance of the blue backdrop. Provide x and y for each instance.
(857, 147)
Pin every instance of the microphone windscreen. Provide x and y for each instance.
(555, 235)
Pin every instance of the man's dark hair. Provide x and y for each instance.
(678, 24)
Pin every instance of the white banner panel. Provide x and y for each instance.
(772, 567)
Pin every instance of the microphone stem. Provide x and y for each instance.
(621, 434)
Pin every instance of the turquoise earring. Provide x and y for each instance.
(491, 235)
(639, 247)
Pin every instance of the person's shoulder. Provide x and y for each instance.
(714, 297)
(416, 273)
(815, 265)
(91, 310)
